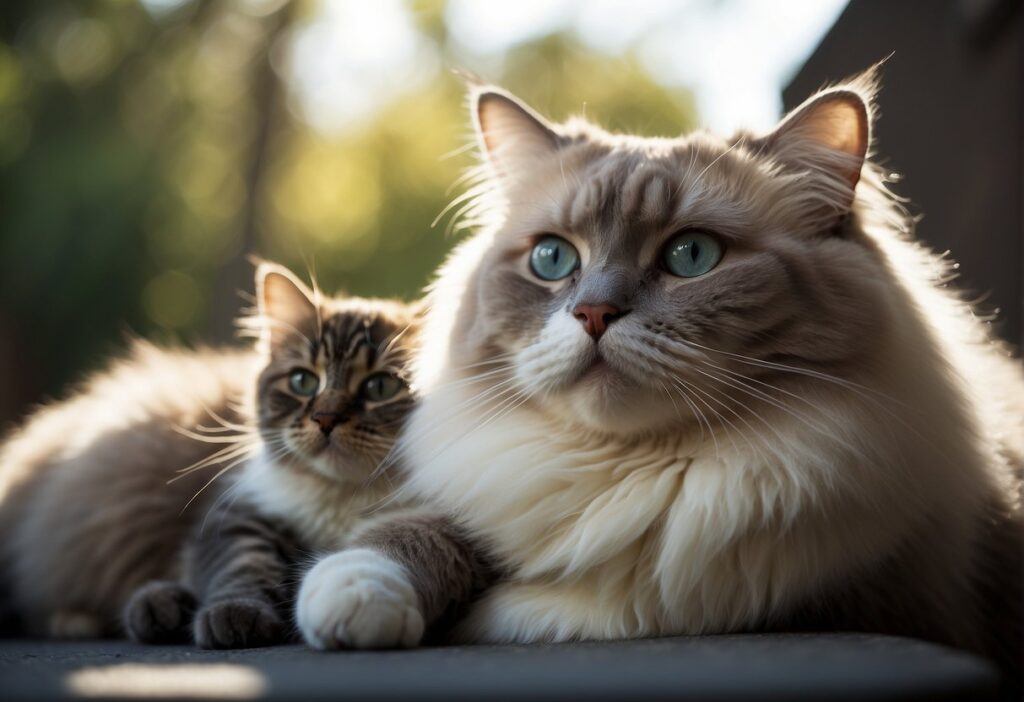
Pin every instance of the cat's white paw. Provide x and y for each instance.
(358, 599)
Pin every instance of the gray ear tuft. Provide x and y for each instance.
(830, 132)
(828, 138)
(511, 134)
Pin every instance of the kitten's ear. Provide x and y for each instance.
(510, 133)
(286, 306)
(828, 138)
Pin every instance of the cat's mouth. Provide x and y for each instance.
(609, 371)
(335, 442)
(602, 371)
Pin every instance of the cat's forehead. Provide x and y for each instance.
(345, 335)
(345, 331)
(656, 184)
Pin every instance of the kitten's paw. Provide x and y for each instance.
(359, 599)
(160, 612)
(242, 623)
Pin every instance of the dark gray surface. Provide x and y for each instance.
(781, 667)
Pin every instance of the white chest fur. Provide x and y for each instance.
(613, 538)
(323, 512)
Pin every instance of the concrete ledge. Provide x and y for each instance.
(763, 667)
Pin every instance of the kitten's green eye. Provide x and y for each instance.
(303, 382)
(692, 253)
(381, 386)
(553, 258)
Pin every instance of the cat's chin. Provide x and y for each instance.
(337, 464)
(605, 399)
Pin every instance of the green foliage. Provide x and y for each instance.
(144, 154)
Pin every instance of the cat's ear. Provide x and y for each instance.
(511, 134)
(827, 138)
(286, 306)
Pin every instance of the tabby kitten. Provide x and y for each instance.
(105, 534)
(697, 385)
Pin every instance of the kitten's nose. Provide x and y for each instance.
(596, 318)
(327, 420)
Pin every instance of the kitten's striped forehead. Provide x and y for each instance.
(348, 339)
(352, 345)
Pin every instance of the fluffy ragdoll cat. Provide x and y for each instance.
(104, 534)
(695, 385)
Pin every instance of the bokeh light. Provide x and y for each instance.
(148, 147)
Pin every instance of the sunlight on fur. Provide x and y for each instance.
(815, 424)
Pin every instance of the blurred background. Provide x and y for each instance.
(148, 147)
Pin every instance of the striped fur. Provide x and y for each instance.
(104, 535)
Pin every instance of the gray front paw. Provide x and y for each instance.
(160, 612)
(243, 623)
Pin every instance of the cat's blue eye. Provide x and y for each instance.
(553, 258)
(692, 253)
(303, 382)
(381, 386)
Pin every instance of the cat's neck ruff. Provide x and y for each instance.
(654, 524)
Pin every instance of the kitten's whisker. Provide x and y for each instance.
(230, 494)
(211, 439)
(225, 422)
(210, 482)
(225, 454)
(212, 430)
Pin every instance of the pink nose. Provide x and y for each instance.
(327, 420)
(596, 318)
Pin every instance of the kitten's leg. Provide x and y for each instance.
(160, 612)
(400, 575)
(241, 567)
